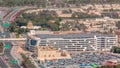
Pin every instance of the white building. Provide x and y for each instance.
(76, 42)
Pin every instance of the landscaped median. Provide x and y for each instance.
(1, 48)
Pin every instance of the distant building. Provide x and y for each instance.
(30, 26)
(49, 53)
(76, 42)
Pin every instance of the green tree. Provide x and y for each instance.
(115, 49)
(27, 63)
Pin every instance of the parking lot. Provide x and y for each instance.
(84, 59)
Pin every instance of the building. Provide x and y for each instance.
(76, 42)
(50, 53)
(30, 26)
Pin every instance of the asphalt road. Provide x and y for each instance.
(8, 55)
(7, 51)
(2, 63)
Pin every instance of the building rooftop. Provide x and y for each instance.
(71, 36)
(46, 48)
(30, 24)
(50, 53)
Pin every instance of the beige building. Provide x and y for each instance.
(31, 26)
(49, 53)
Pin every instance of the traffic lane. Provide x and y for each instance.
(10, 14)
(2, 63)
(7, 54)
(14, 12)
(6, 32)
(9, 60)
(7, 51)
(7, 35)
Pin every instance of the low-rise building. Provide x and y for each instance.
(30, 26)
(76, 42)
(50, 53)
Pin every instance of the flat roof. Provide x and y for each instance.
(74, 36)
(46, 48)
